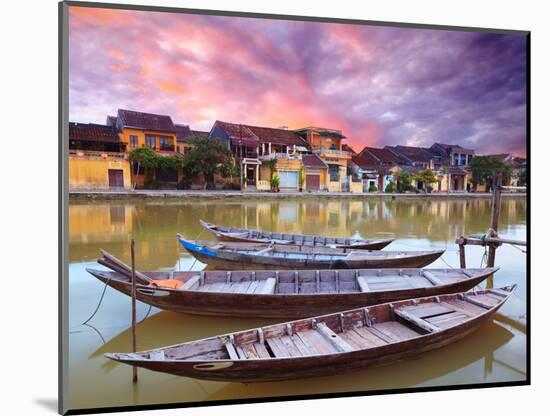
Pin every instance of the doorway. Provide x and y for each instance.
(116, 178)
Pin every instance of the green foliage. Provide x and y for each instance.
(484, 168)
(425, 175)
(271, 164)
(206, 158)
(145, 157)
(150, 161)
(404, 182)
(522, 180)
(389, 188)
(275, 181)
(230, 168)
(372, 188)
(169, 162)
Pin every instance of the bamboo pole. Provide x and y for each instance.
(134, 346)
(462, 252)
(495, 213)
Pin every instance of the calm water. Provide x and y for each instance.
(494, 353)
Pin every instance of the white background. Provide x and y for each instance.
(28, 133)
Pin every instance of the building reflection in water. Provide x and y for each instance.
(154, 224)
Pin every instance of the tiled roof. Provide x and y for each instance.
(500, 156)
(384, 156)
(92, 133)
(239, 133)
(310, 160)
(415, 154)
(436, 147)
(183, 132)
(200, 133)
(277, 136)
(365, 161)
(146, 121)
(111, 120)
(261, 134)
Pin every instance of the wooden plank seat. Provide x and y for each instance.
(262, 287)
(191, 284)
(340, 344)
(417, 321)
(485, 301)
(394, 331)
(363, 285)
(434, 280)
(448, 320)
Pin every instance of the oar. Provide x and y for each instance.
(140, 276)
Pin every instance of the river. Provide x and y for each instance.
(495, 353)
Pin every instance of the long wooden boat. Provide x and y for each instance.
(238, 256)
(245, 235)
(328, 344)
(291, 294)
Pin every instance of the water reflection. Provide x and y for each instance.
(494, 353)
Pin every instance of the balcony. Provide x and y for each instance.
(167, 148)
(333, 153)
(97, 154)
(284, 156)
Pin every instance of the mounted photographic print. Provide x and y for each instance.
(264, 207)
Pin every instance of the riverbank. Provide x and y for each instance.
(197, 194)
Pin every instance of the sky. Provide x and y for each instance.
(378, 85)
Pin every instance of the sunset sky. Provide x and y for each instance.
(379, 85)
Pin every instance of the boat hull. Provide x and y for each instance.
(225, 234)
(267, 370)
(378, 245)
(274, 305)
(238, 261)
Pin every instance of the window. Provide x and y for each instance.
(165, 143)
(150, 141)
(133, 141)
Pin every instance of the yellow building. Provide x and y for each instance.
(327, 144)
(156, 131)
(96, 158)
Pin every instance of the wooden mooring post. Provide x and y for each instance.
(491, 238)
(495, 214)
(134, 342)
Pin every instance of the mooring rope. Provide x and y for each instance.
(99, 303)
(444, 261)
(484, 258)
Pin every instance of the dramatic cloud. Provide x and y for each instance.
(379, 85)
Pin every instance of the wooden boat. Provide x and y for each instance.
(328, 344)
(245, 235)
(289, 294)
(233, 256)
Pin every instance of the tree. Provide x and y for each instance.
(146, 158)
(230, 168)
(404, 182)
(389, 187)
(522, 180)
(484, 168)
(271, 164)
(205, 158)
(425, 176)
